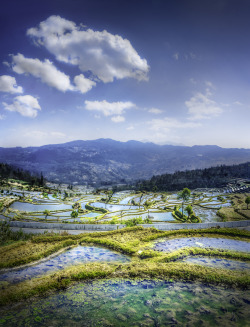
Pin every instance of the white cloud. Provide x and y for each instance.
(238, 103)
(83, 84)
(108, 108)
(45, 70)
(166, 124)
(155, 111)
(176, 56)
(200, 106)
(38, 134)
(192, 55)
(26, 105)
(106, 55)
(130, 128)
(2, 117)
(209, 85)
(8, 84)
(118, 119)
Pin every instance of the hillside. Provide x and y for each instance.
(106, 161)
(198, 178)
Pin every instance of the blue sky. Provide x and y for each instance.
(168, 72)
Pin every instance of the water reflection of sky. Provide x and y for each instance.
(74, 256)
(218, 263)
(203, 242)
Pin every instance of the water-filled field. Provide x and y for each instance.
(218, 263)
(134, 303)
(203, 242)
(103, 208)
(75, 256)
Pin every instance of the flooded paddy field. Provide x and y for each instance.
(218, 263)
(75, 256)
(131, 302)
(202, 242)
(103, 208)
(124, 282)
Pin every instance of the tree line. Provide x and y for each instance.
(10, 172)
(218, 176)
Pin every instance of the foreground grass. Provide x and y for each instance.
(131, 241)
(25, 252)
(137, 269)
(136, 242)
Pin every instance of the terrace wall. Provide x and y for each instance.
(108, 227)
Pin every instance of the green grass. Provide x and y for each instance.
(135, 269)
(134, 241)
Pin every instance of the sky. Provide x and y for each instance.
(161, 71)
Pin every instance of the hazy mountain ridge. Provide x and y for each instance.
(106, 160)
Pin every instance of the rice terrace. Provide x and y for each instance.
(115, 271)
(124, 163)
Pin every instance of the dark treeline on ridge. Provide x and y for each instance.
(198, 178)
(10, 172)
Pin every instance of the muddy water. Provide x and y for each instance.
(134, 303)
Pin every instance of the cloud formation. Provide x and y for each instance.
(106, 55)
(44, 70)
(166, 124)
(26, 105)
(83, 84)
(109, 108)
(155, 111)
(38, 134)
(200, 106)
(118, 119)
(8, 84)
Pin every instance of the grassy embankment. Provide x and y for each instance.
(238, 211)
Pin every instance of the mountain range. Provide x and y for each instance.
(106, 161)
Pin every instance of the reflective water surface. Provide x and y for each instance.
(134, 303)
(74, 256)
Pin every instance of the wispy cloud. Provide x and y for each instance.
(238, 103)
(201, 106)
(38, 134)
(26, 105)
(118, 119)
(176, 55)
(155, 111)
(130, 128)
(8, 84)
(166, 124)
(108, 108)
(106, 55)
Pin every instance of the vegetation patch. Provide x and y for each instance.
(26, 252)
(135, 241)
(136, 269)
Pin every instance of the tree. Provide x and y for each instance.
(41, 180)
(46, 213)
(189, 210)
(184, 195)
(247, 201)
(74, 214)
